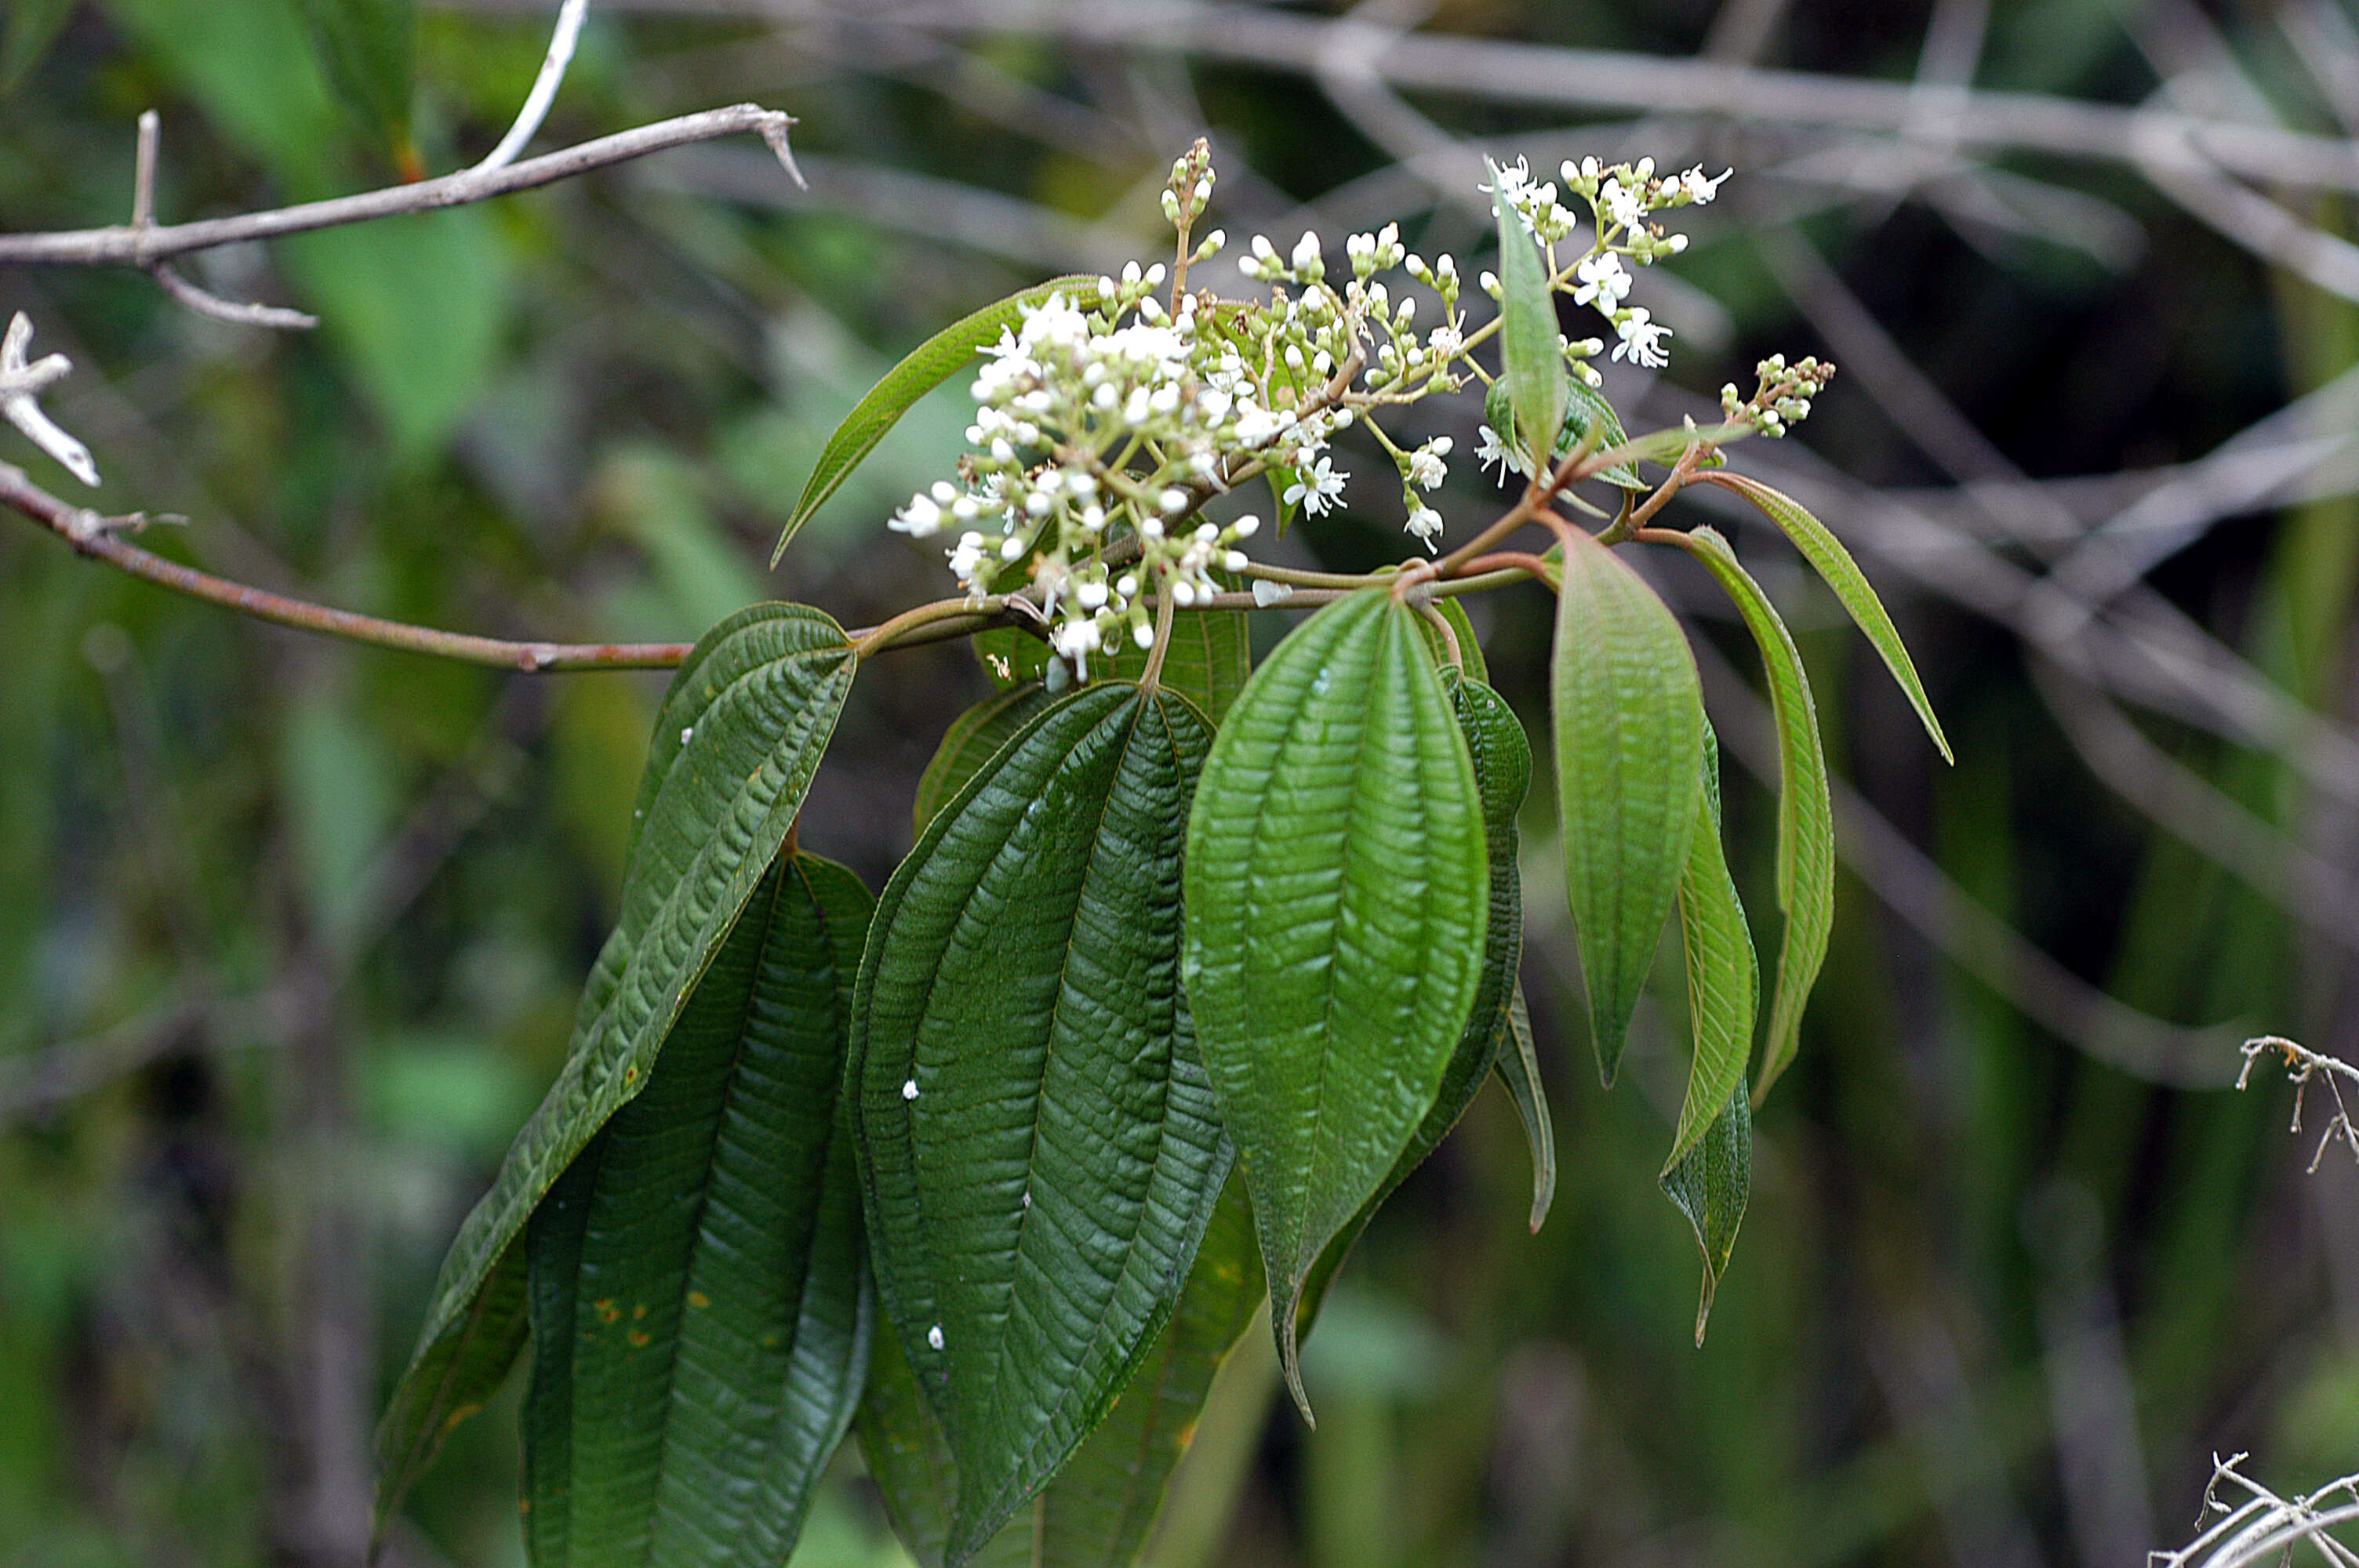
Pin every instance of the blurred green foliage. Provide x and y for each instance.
(290, 931)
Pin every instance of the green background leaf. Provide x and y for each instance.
(1628, 713)
(1208, 662)
(1034, 1205)
(1337, 899)
(736, 742)
(700, 1289)
(369, 51)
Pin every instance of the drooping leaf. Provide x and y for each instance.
(1723, 978)
(1833, 563)
(700, 1290)
(736, 742)
(1806, 831)
(1530, 348)
(1100, 1509)
(973, 738)
(1628, 714)
(370, 49)
(926, 367)
(1041, 1148)
(1710, 1186)
(1519, 1071)
(1337, 903)
(1503, 774)
(1209, 657)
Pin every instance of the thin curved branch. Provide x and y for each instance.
(133, 245)
(544, 87)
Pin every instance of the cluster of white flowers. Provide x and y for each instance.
(1108, 416)
(1782, 398)
(1621, 200)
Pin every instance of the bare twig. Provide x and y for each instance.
(21, 385)
(544, 87)
(126, 246)
(93, 534)
(2264, 1527)
(2305, 1067)
(143, 218)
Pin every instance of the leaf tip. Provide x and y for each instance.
(1289, 1354)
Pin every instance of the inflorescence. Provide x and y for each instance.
(1105, 419)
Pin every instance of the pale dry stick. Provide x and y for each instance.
(553, 66)
(143, 218)
(21, 385)
(2264, 1527)
(2303, 1068)
(2327, 44)
(127, 246)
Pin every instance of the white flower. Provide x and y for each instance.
(1491, 449)
(1700, 189)
(1642, 340)
(1603, 280)
(921, 517)
(1306, 255)
(1425, 523)
(1317, 490)
(1443, 343)
(1623, 206)
(1426, 469)
(1512, 179)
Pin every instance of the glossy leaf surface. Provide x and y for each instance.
(973, 738)
(1834, 563)
(1805, 826)
(736, 742)
(926, 367)
(700, 1305)
(1629, 715)
(1041, 1144)
(1503, 774)
(1100, 1509)
(1337, 899)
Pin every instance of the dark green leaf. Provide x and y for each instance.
(973, 738)
(1710, 1186)
(1806, 831)
(1723, 980)
(26, 33)
(1209, 657)
(1099, 1509)
(1530, 347)
(1628, 713)
(369, 51)
(700, 1293)
(928, 365)
(1832, 562)
(1585, 409)
(1337, 899)
(1040, 1145)
(736, 742)
(1471, 664)
(1503, 773)
(1519, 1070)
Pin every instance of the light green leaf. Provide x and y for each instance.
(1665, 446)
(1100, 1509)
(1040, 1146)
(1503, 774)
(1723, 978)
(736, 742)
(1519, 1071)
(1628, 713)
(1833, 563)
(1585, 409)
(700, 1290)
(1209, 657)
(973, 738)
(928, 365)
(1530, 347)
(1337, 903)
(1710, 1186)
(1806, 828)
(369, 51)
